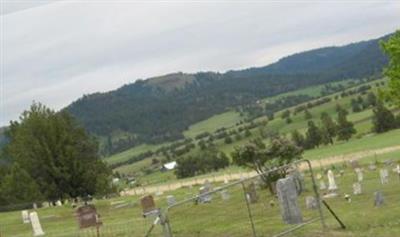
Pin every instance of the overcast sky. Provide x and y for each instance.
(56, 51)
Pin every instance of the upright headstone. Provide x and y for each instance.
(204, 196)
(36, 227)
(287, 195)
(226, 180)
(171, 200)
(25, 217)
(372, 167)
(45, 204)
(384, 176)
(225, 195)
(58, 203)
(331, 179)
(354, 164)
(360, 176)
(397, 170)
(251, 193)
(34, 205)
(322, 185)
(87, 216)
(379, 199)
(357, 188)
(148, 205)
(311, 202)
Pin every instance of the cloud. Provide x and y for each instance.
(54, 53)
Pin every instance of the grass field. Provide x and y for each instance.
(122, 216)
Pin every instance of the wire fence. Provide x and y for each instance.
(246, 207)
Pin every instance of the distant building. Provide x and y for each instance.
(169, 166)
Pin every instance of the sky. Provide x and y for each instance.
(54, 52)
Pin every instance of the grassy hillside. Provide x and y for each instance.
(364, 139)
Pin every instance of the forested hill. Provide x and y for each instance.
(160, 109)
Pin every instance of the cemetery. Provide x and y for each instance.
(366, 201)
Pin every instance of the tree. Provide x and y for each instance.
(313, 135)
(279, 152)
(345, 128)
(57, 153)
(285, 114)
(247, 133)
(228, 140)
(18, 187)
(383, 119)
(298, 139)
(355, 106)
(288, 120)
(307, 114)
(371, 99)
(392, 48)
(329, 128)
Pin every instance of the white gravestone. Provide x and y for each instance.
(360, 176)
(311, 202)
(322, 185)
(357, 188)
(204, 197)
(225, 195)
(25, 217)
(384, 176)
(372, 167)
(58, 203)
(36, 227)
(287, 196)
(171, 200)
(331, 180)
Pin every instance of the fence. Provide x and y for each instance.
(247, 208)
(233, 209)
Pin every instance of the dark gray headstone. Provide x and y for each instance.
(379, 199)
(287, 195)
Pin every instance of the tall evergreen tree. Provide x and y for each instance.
(313, 135)
(383, 119)
(298, 139)
(329, 128)
(345, 128)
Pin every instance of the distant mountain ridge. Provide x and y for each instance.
(159, 109)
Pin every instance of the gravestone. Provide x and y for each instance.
(360, 176)
(287, 196)
(397, 170)
(36, 227)
(354, 164)
(379, 199)
(384, 176)
(347, 197)
(171, 200)
(357, 188)
(331, 181)
(225, 195)
(204, 196)
(58, 203)
(25, 217)
(34, 205)
(251, 193)
(311, 202)
(226, 180)
(372, 167)
(87, 217)
(148, 205)
(45, 204)
(322, 185)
